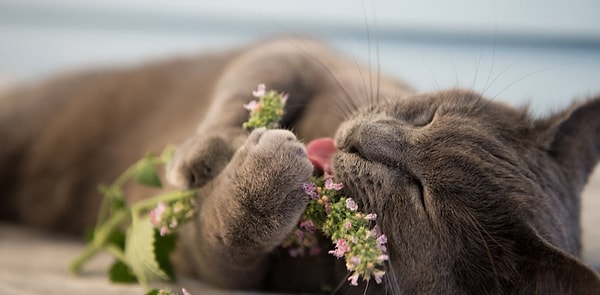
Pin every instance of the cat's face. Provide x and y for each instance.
(458, 182)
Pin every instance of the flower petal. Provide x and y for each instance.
(260, 90)
(350, 204)
(353, 279)
(252, 105)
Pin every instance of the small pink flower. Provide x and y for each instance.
(383, 257)
(308, 225)
(327, 208)
(156, 214)
(252, 105)
(350, 204)
(310, 189)
(371, 216)
(185, 292)
(378, 275)
(353, 263)
(260, 90)
(353, 279)
(341, 247)
(300, 235)
(164, 231)
(329, 184)
(284, 98)
(348, 225)
(381, 241)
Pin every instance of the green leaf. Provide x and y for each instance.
(167, 154)
(163, 247)
(121, 273)
(117, 238)
(153, 292)
(140, 252)
(118, 204)
(145, 173)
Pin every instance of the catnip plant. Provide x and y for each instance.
(142, 235)
(358, 240)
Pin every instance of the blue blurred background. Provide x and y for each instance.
(545, 52)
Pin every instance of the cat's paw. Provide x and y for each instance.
(265, 179)
(203, 156)
(272, 160)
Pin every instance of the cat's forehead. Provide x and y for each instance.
(458, 102)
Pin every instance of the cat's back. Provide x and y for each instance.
(62, 136)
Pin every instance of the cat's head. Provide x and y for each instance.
(474, 195)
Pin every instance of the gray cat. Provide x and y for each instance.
(476, 197)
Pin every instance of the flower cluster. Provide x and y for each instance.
(167, 217)
(356, 239)
(354, 234)
(268, 110)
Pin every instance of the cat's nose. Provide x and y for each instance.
(377, 141)
(351, 144)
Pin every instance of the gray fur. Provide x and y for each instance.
(476, 197)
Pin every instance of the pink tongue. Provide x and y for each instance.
(320, 152)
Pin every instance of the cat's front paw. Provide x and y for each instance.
(203, 156)
(272, 161)
(265, 177)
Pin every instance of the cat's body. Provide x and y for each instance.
(475, 196)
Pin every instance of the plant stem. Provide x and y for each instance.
(116, 252)
(126, 176)
(89, 251)
(101, 235)
(167, 197)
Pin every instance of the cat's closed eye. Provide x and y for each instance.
(415, 115)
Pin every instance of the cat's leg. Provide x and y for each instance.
(248, 209)
(303, 68)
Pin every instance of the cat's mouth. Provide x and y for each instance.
(320, 153)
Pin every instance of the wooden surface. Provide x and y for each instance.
(34, 262)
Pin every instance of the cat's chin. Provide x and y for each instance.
(359, 176)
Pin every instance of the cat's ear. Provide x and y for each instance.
(573, 138)
(548, 270)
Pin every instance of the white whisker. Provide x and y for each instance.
(487, 85)
(368, 32)
(521, 79)
(498, 76)
(351, 103)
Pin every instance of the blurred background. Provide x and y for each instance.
(545, 52)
